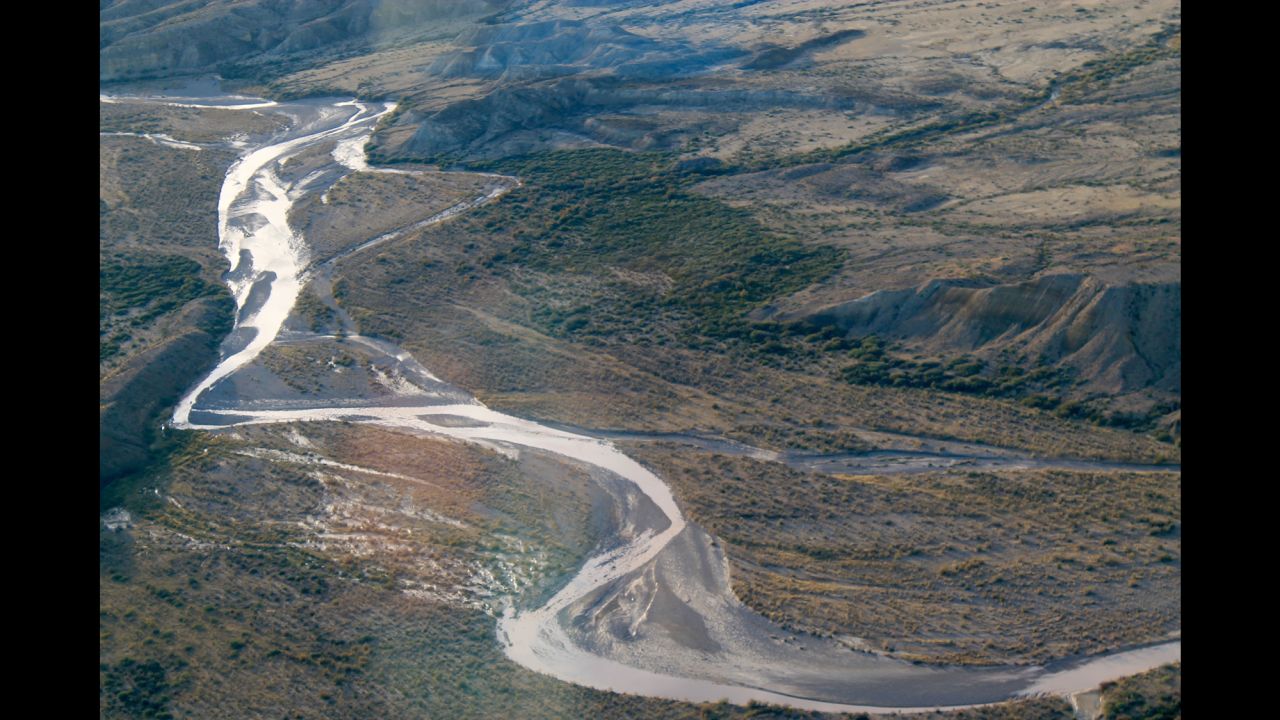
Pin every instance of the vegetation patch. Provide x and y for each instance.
(138, 689)
(1092, 77)
(588, 212)
(1153, 695)
(135, 290)
(939, 567)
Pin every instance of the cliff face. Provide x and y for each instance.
(1120, 337)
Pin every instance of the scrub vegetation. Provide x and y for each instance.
(958, 567)
(1154, 695)
(136, 290)
(592, 211)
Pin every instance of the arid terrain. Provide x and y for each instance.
(888, 294)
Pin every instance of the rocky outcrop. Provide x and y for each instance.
(1120, 337)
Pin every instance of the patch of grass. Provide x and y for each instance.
(1092, 77)
(137, 689)
(1153, 695)
(158, 244)
(939, 566)
(197, 125)
(138, 490)
(135, 290)
(588, 211)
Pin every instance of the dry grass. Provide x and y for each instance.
(956, 568)
(364, 205)
(198, 125)
(156, 201)
(1154, 695)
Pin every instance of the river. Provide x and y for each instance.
(661, 572)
